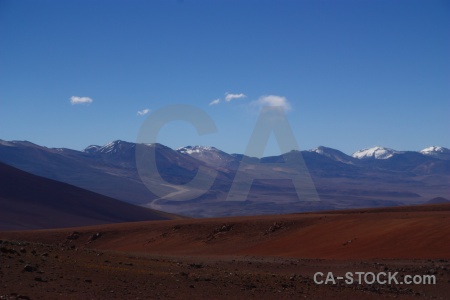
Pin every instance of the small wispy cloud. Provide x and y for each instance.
(143, 112)
(273, 100)
(230, 96)
(214, 102)
(80, 100)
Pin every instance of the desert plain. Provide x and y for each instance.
(259, 257)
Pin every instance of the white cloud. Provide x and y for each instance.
(229, 96)
(80, 100)
(214, 102)
(143, 112)
(273, 100)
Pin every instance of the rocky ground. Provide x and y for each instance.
(264, 257)
(64, 271)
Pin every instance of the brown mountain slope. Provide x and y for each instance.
(32, 202)
(405, 233)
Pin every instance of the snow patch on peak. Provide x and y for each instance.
(375, 152)
(195, 149)
(317, 150)
(333, 154)
(114, 146)
(108, 148)
(437, 152)
(434, 149)
(91, 148)
(6, 143)
(323, 151)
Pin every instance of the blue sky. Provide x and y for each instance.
(355, 73)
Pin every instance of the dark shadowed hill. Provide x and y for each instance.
(438, 200)
(32, 202)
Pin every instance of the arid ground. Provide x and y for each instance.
(268, 257)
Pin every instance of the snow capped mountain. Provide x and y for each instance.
(333, 154)
(437, 152)
(112, 147)
(434, 149)
(209, 155)
(115, 146)
(195, 149)
(375, 152)
(319, 150)
(92, 149)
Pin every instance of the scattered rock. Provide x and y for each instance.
(196, 266)
(248, 286)
(22, 297)
(348, 242)
(219, 230)
(224, 228)
(75, 235)
(275, 227)
(8, 250)
(29, 268)
(95, 236)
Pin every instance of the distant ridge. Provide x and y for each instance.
(376, 177)
(438, 200)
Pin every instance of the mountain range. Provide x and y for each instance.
(371, 177)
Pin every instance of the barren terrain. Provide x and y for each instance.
(243, 257)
